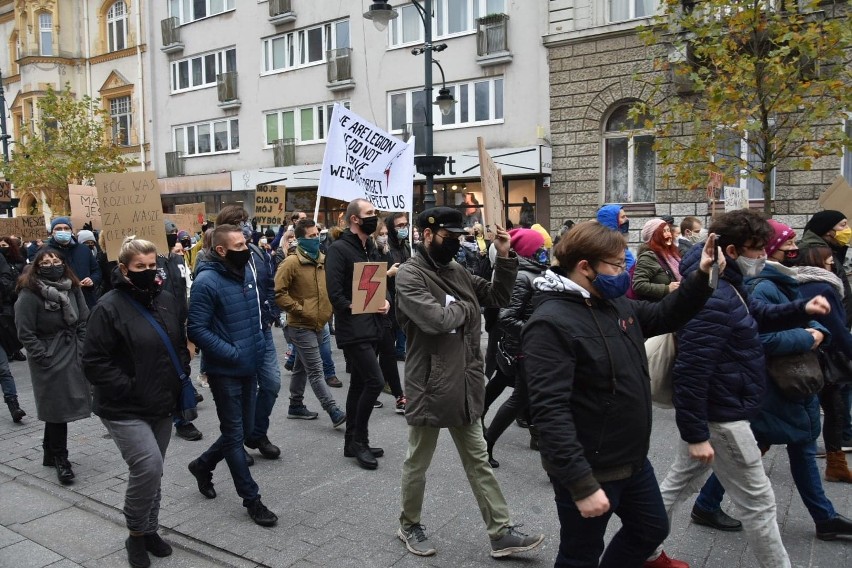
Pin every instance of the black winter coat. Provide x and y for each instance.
(520, 308)
(342, 255)
(125, 359)
(589, 388)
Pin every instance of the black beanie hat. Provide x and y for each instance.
(824, 221)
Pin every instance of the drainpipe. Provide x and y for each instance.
(141, 85)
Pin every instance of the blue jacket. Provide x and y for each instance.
(83, 263)
(719, 373)
(835, 321)
(262, 263)
(781, 420)
(608, 217)
(224, 320)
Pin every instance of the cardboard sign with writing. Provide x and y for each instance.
(131, 205)
(183, 222)
(198, 212)
(269, 203)
(85, 207)
(838, 196)
(369, 287)
(735, 198)
(28, 228)
(492, 188)
(5, 191)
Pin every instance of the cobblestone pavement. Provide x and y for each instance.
(332, 513)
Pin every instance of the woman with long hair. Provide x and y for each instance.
(387, 342)
(656, 273)
(10, 262)
(50, 315)
(136, 383)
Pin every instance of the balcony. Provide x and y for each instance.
(281, 12)
(226, 88)
(174, 164)
(284, 152)
(339, 68)
(492, 40)
(171, 36)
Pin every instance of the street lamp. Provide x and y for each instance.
(381, 13)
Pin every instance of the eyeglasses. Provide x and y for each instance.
(48, 264)
(622, 266)
(450, 236)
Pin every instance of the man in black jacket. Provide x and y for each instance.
(358, 335)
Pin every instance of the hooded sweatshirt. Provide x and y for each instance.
(608, 217)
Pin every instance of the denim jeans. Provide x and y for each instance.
(143, 445)
(235, 399)
(328, 368)
(308, 368)
(268, 385)
(738, 464)
(711, 495)
(644, 524)
(7, 381)
(400, 342)
(806, 476)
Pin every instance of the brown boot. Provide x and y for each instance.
(837, 469)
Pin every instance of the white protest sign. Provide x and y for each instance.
(363, 161)
(735, 198)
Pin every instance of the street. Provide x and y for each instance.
(331, 512)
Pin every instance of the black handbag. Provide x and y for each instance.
(796, 376)
(836, 367)
(507, 363)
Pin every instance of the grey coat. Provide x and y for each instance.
(444, 368)
(54, 350)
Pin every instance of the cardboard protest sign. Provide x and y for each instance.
(199, 213)
(130, 205)
(85, 207)
(182, 221)
(492, 188)
(838, 196)
(5, 191)
(735, 198)
(28, 228)
(269, 204)
(369, 287)
(363, 161)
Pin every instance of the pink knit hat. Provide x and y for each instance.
(649, 228)
(526, 241)
(782, 234)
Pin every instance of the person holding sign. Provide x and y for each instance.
(357, 334)
(438, 304)
(77, 256)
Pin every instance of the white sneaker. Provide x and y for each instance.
(202, 381)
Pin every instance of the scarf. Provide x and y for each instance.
(56, 297)
(472, 247)
(552, 282)
(674, 263)
(815, 274)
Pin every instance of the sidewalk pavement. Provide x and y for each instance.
(331, 513)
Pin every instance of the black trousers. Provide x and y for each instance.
(833, 408)
(56, 439)
(387, 360)
(365, 385)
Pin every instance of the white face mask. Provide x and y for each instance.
(698, 237)
(751, 267)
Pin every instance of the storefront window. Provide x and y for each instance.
(520, 203)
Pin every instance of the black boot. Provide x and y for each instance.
(14, 408)
(362, 454)
(832, 528)
(533, 437)
(489, 445)
(347, 452)
(63, 470)
(137, 556)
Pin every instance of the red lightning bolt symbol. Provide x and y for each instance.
(280, 207)
(367, 284)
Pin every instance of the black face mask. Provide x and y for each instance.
(171, 240)
(52, 273)
(444, 252)
(144, 279)
(4, 251)
(238, 258)
(369, 224)
(187, 244)
(791, 258)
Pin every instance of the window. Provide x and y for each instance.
(846, 164)
(301, 48)
(306, 124)
(477, 102)
(621, 10)
(45, 33)
(451, 17)
(117, 26)
(190, 10)
(732, 154)
(207, 137)
(629, 160)
(200, 71)
(122, 119)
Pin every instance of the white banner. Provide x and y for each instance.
(363, 161)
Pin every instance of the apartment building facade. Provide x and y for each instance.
(98, 47)
(599, 156)
(243, 94)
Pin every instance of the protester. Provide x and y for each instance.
(78, 258)
(357, 334)
(399, 251)
(300, 290)
(8, 333)
(656, 273)
(614, 217)
(50, 315)
(136, 384)
(720, 383)
(225, 321)
(387, 343)
(692, 232)
(438, 307)
(262, 274)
